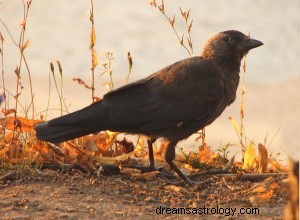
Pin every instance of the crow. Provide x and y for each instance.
(172, 103)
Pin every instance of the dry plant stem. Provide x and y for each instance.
(93, 85)
(161, 8)
(242, 107)
(61, 81)
(61, 88)
(2, 69)
(22, 46)
(110, 73)
(10, 93)
(10, 35)
(107, 68)
(31, 86)
(59, 91)
(60, 99)
(93, 53)
(186, 15)
(49, 95)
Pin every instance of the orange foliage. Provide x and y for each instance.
(19, 124)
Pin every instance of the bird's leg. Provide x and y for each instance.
(151, 155)
(151, 167)
(169, 157)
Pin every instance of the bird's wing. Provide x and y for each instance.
(186, 89)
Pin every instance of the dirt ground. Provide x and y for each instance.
(55, 195)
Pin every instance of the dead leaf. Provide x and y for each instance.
(144, 176)
(86, 163)
(249, 157)
(56, 150)
(81, 82)
(261, 198)
(262, 159)
(25, 45)
(140, 144)
(93, 37)
(20, 124)
(123, 147)
(130, 171)
(7, 112)
(114, 160)
(276, 166)
(217, 161)
(205, 153)
(236, 126)
(265, 186)
(95, 60)
(71, 152)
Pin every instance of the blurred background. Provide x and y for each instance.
(60, 30)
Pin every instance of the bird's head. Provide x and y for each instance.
(229, 44)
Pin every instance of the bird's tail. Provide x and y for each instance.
(57, 134)
(76, 124)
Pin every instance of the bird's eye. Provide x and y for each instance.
(231, 39)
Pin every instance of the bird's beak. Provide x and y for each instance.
(249, 44)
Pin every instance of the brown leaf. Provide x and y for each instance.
(261, 198)
(249, 157)
(93, 37)
(7, 112)
(104, 140)
(144, 176)
(95, 60)
(44, 151)
(114, 160)
(81, 82)
(20, 124)
(262, 159)
(71, 152)
(25, 45)
(56, 150)
(205, 154)
(265, 186)
(130, 171)
(123, 147)
(276, 166)
(86, 163)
